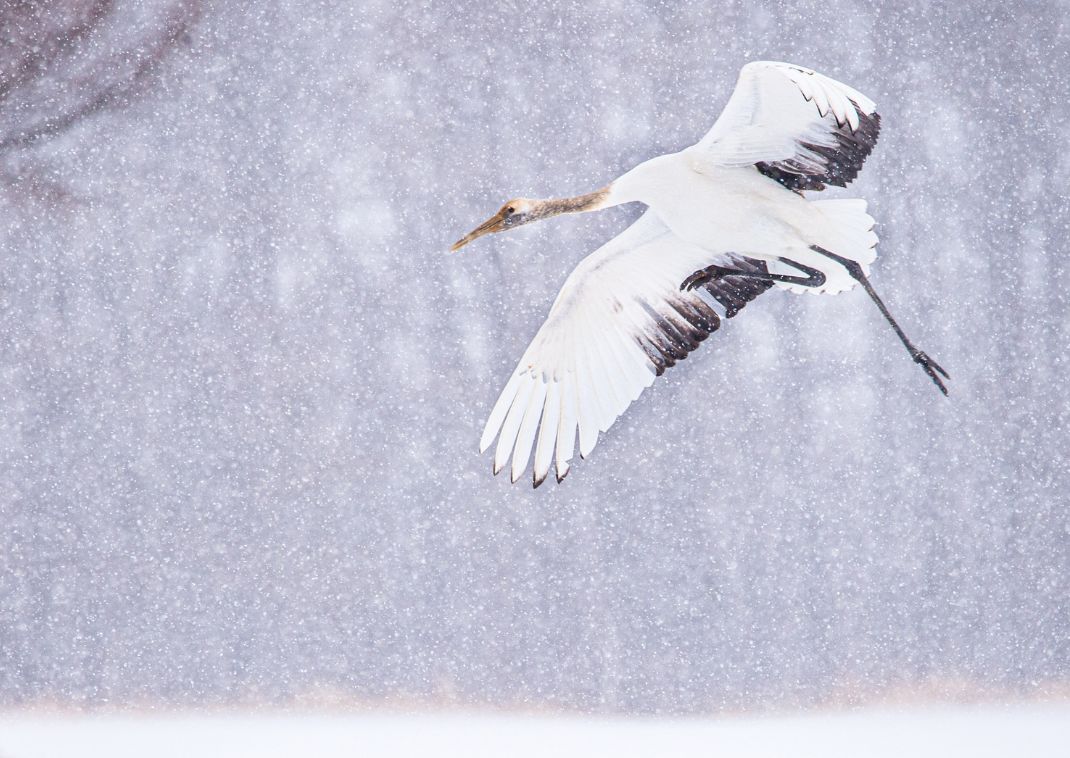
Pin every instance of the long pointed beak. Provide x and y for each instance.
(495, 223)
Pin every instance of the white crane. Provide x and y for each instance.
(726, 220)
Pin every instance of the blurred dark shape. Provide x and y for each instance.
(63, 62)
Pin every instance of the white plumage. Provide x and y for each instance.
(727, 218)
(586, 365)
(766, 120)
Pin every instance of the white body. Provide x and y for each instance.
(721, 209)
(736, 210)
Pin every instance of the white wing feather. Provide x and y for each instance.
(796, 121)
(603, 343)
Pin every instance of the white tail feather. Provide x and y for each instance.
(846, 230)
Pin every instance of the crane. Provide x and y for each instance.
(726, 220)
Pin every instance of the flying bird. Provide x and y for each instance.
(726, 220)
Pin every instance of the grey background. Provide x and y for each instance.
(242, 383)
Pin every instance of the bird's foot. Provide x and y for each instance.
(932, 368)
(703, 275)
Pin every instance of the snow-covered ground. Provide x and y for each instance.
(1036, 730)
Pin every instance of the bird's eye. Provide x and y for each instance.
(510, 210)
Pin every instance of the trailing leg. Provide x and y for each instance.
(931, 367)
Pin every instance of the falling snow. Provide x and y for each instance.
(242, 382)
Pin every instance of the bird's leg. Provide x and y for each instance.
(931, 367)
(813, 278)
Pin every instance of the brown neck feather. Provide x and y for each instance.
(592, 201)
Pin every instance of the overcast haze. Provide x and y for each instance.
(242, 382)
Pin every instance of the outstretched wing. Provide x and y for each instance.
(619, 321)
(796, 126)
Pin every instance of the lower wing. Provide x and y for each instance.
(619, 321)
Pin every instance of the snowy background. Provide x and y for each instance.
(242, 383)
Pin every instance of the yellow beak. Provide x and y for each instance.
(495, 223)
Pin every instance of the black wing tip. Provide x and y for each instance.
(843, 161)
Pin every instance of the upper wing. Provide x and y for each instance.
(797, 126)
(619, 321)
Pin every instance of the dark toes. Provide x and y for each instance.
(928, 362)
(932, 369)
(697, 278)
(936, 379)
(704, 275)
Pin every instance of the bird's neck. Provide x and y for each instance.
(631, 187)
(592, 201)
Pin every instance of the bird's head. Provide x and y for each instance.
(514, 213)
